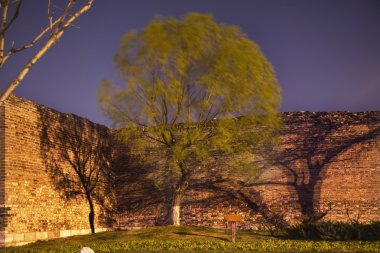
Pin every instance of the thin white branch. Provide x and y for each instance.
(53, 39)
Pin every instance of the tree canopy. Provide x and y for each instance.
(196, 89)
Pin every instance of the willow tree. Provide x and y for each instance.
(192, 88)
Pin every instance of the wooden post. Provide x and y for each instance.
(233, 219)
(233, 230)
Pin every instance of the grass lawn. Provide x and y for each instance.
(189, 239)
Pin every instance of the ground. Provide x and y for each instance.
(190, 239)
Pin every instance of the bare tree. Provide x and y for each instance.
(78, 157)
(51, 34)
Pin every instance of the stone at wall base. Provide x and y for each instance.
(19, 239)
(86, 250)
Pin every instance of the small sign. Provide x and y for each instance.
(233, 218)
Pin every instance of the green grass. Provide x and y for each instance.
(189, 239)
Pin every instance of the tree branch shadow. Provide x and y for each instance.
(324, 139)
(319, 141)
(77, 157)
(139, 190)
(200, 235)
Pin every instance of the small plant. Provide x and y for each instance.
(353, 218)
(336, 231)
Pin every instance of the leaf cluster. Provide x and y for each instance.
(195, 88)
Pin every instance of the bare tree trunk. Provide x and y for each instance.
(178, 193)
(91, 215)
(176, 209)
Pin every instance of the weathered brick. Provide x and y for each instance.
(325, 160)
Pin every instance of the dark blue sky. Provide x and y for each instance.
(326, 53)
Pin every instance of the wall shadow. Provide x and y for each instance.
(311, 142)
(201, 235)
(139, 187)
(77, 157)
(318, 141)
(230, 191)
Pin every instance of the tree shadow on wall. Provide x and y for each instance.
(77, 156)
(139, 186)
(231, 190)
(321, 139)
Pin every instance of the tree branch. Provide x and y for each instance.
(53, 39)
(5, 26)
(26, 46)
(66, 11)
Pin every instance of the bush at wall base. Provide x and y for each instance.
(336, 231)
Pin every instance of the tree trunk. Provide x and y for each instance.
(91, 215)
(180, 188)
(176, 208)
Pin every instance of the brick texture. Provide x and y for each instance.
(326, 161)
(33, 205)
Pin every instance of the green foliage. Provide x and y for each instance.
(189, 239)
(196, 89)
(336, 231)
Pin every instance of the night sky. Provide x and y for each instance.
(326, 53)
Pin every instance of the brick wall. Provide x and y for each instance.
(326, 161)
(2, 176)
(36, 204)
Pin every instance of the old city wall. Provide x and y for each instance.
(2, 175)
(326, 161)
(34, 202)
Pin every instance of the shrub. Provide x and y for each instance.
(335, 231)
